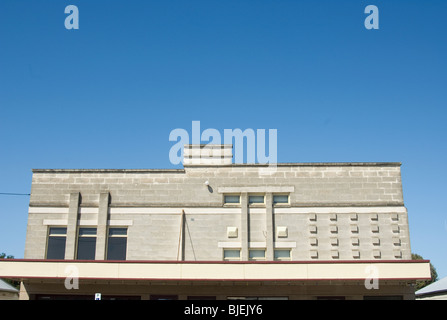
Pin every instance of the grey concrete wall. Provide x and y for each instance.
(324, 184)
(319, 190)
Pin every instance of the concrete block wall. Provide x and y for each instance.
(328, 235)
(315, 184)
(149, 203)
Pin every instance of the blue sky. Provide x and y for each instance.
(108, 95)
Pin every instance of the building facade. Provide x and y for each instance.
(217, 230)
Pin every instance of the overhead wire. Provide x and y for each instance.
(14, 194)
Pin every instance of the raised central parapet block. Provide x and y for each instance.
(207, 154)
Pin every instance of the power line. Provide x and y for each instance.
(13, 194)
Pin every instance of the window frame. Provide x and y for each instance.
(231, 259)
(250, 258)
(50, 235)
(281, 203)
(116, 236)
(256, 204)
(231, 203)
(275, 258)
(79, 237)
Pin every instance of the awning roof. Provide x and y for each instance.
(438, 286)
(216, 270)
(7, 287)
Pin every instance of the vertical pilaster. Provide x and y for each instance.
(72, 225)
(181, 239)
(269, 250)
(244, 226)
(101, 231)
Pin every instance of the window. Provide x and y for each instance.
(56, 243)
(256, 254)
(231, 254)
(281, 198)
(86, 244)
(282, 254)
(117, 244)
(232, 199)
(256, 199)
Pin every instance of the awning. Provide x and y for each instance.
(22, 269)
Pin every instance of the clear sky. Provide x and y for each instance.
(108, 94)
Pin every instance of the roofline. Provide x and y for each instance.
(108, 170)
(307, 164)
(13, 290)
(378, 261)
(430, 293)
(236, 165)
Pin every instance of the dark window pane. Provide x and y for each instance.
(118, 232)
(282, 254)
(116, 248)
(256, 199)
(87, 232)
(232, 199)
(281, 199)
(256, 254)
(56, 248)
(232, 254)
(86, 248)
(58, 231)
